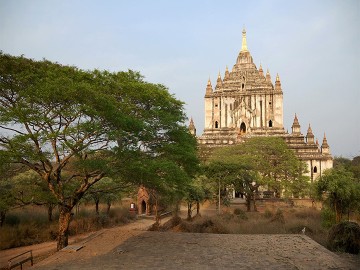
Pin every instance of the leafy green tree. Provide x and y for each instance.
(259, 161)
(355, 167)
(29, 188)
(233, 172)
(7, 201)
(197, 192)
(107, 191)
(74, 127)
(338, 188)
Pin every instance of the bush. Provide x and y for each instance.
(268, 213)
(345, 237)
(279, 216)
(240, 213)
(203, 225)
(327, 218)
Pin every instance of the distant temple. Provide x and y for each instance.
(245, 103)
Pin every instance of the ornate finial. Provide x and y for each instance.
(310, 136)
(268, 77)
(218, 82)
(277, 83)
(261, 72)
(192, 128)
(244, 45)
(209, 89)
(227, 74)
(295, 128)
(325, 146)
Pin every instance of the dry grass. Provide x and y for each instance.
(270, 220)
(29, 225)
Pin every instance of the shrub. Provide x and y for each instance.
(12, 220)
(240, 213)
(345, 237)
(203, 225)
(327, 218)
(279, 216)
(268, 213)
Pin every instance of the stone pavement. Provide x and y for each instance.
(169, 250)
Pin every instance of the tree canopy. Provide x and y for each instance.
(259, 161)
(340, 190)
(74, 127)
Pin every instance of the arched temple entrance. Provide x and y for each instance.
(243, 128)
(270, 123)
(143, 207)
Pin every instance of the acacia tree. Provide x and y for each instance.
(101, 123)
(107, 190)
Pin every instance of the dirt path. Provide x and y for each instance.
(44, 250)
(132, 247)
(112, 235)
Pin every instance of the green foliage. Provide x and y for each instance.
(328, 217)
(74, 127)
(240, 213)
(345, 237)
(268, 213)
(339, 190)
(263, 161)
(350, 165)
(278, 217)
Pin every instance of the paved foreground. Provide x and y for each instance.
(169, 250)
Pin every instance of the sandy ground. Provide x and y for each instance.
(131, 247)
(97, 243)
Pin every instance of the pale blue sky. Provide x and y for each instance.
(313, 45)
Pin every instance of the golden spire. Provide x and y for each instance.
(244, 45)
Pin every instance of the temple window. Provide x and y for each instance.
(270, 123)
(216, 124)
(315, 169)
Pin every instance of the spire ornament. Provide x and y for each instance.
(244, 45)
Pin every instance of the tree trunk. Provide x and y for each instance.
(157, 216)
(50, 211)
(108, 207)
(197, 208)
(337, 212)
(97, 206)
(64, 222)
(254, 198)
(189, 211)
(248, 203)
(177, 209)
(2, 217)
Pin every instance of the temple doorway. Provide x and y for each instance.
(243, 128)
(143, 207)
